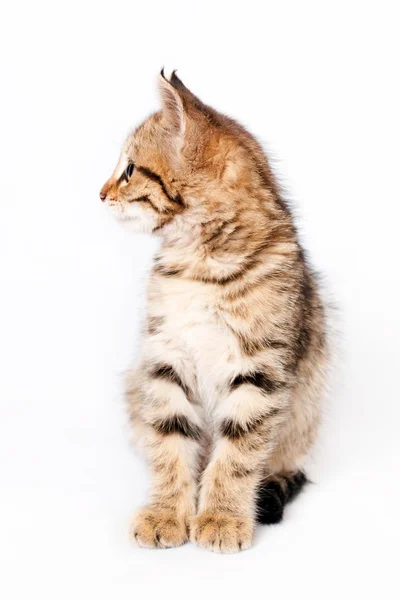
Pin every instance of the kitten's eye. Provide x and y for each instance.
(129, 170)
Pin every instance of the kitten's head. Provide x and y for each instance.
(178, 162)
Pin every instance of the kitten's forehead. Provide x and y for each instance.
(144, 146)
(143, 135)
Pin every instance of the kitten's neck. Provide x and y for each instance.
(212, 250)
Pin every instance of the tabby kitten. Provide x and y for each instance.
(226, 397)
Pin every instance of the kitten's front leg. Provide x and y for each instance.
(170, 429)
(248, 426)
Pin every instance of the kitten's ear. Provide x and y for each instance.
(173, 110)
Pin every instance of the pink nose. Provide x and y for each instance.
(103, 196)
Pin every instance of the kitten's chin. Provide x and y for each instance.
(136, 222)
(135, 225)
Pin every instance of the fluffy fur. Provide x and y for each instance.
(226, 397)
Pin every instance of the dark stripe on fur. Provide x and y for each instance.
(240, 471)
(234, 430)
(304, 332)
(154, 177)
(251, 345)
(149, 201)
(244, 269)
(165, 271)
(154, 325)
(274, 494)
(259, 380)
(177, 424)
(167, 373)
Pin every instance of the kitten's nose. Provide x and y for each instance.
(103, 196)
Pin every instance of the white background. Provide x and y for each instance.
(318, 83)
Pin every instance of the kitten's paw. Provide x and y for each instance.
(221, 532)
(156, 528)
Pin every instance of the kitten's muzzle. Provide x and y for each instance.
(103, 196)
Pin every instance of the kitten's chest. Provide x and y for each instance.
(195, 332)
(192, 318)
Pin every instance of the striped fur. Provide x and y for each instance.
(226, 397)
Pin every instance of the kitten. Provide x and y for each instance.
(226, 398)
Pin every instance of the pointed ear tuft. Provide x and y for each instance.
(187, 96)
(173, 110)
(175, 81)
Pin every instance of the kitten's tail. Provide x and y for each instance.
(274, 493)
